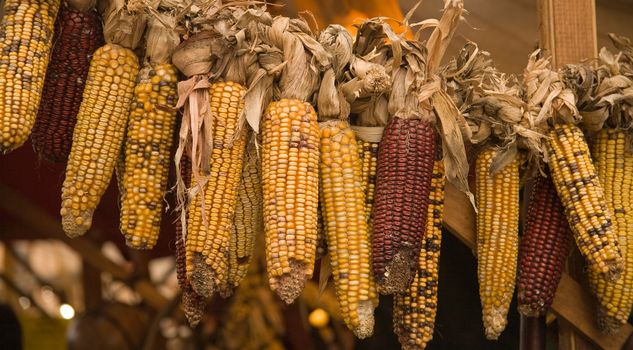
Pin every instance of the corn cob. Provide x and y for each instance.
(582, 196)
(414, 311)
(403, 185)
(368, 152)
(545, 246)
(208, 239)
(98, 135)
(192, 304)
(77, 35)
(614, 164)
(248, 218)
(346, 226)
(26, 37)
(497, 199)
(147, 154)
(290, 160)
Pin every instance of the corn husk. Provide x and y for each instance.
(123, 26)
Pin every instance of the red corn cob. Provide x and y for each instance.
(544, 248)
(403, 183)
(77, 36)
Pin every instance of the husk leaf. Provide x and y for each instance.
(122, 26)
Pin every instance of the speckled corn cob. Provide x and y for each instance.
(497, 200)
(368, 152)
(346, 226)
(414, 310)
(582, 196)
(77, 35)
(98, 134)
(403, 184)
(248, 221)
(150, 133)
(545, 246)
(208, 241)
(614, 166)
(290, 182)
(26, 37)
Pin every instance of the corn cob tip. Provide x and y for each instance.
(193, 306)
(613, 269)
(290, 285)
(76, 226)
(407, 344)
(494, 323)
(365, 327)
(202, 277)
(225, 291)
(530, 310)
(608, 324)
(398, 273)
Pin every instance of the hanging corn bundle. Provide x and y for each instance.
(102, 118)
(150, 131)
(78, 33)
(26, 38)
(290, 159)
(572, 169)
(612, 103)
(342, 194)
(417, 104)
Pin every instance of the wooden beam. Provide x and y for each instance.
(35, 219)
(568, 30)
(572, 303)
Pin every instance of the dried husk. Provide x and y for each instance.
(122, 26)
(162, 39)
(331, 104)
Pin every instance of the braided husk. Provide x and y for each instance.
(82, 5)
(122, 25)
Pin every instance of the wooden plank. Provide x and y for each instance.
(572, 303)
(568, 30)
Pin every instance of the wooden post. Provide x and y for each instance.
(91, 282)
(568, 33)
(532, 333)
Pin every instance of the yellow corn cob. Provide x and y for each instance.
(582, 196)
(147, 155)
(290, 182)
(346, 226)
(26, 37)
(497, 199)
(614, 166)
(248, 218)
(98, 134)
(208, 240)
(414, 311)
(368, 152)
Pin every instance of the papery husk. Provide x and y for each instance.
(162, 39)
(122, 26)
(371, 134)
(200, 53)
(614, 91)
(331, 103)
(304, 57)
(82, 5)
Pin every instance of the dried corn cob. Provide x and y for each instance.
(248, 220)
(497, 198)
(98, 135)
(414, 311)
(405, 162)
(614, 166)
(368, 152)
(545, 246)
(346, 226)
(290, 161)
(26, 37)
(208, 239)
(147, 154)
(77, 35)
(582, 196)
